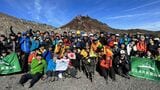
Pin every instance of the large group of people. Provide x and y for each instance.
(105, 52)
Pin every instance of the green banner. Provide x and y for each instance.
(10, 64)
(145, 68)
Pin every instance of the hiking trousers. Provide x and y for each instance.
(108, 72)
(24, 61)
(123, 69)
(28, 76)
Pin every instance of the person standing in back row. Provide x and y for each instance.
(25, 50)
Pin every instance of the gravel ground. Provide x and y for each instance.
(10, 83)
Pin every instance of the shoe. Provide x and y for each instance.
(126, 76)
(114, 80)
(107, 82)
(21, 85)
(53, 79)
(30, 86)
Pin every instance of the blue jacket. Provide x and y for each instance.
(51, 65)
(125, 40)
(35, 44)
(55, 42)
(47, 55)
(25, 44)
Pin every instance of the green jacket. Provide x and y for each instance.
(37, 67)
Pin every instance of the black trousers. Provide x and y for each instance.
(75, 63)
(108, 72)
(24, 61)
(28, 76)
(123, 69)
(51, 74)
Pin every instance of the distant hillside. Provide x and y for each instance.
(20, 25)
(88, 24)
(84, 23)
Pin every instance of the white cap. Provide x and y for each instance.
(117, 35)
(156, 39)
(84, 35)
(90, 34)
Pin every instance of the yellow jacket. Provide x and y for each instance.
(84, 53)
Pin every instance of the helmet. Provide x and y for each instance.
(122, 52)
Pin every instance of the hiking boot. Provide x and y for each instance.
(53, 79)
(114, 80)
(106, 81)
(20, 85)
(126, 76)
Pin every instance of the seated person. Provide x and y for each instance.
(38, 67)
(149, 55)
(122, 65)
(3, 54)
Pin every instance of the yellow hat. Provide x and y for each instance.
(78, 32)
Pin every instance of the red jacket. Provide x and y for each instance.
(106, 63)
(142, 46)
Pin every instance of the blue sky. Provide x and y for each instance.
(122, 14)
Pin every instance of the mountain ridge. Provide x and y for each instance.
(84, 23)
(20, 25)
(79, 22)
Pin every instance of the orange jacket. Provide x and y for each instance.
(108, 51)
(141, 46)
(106, 63)
(94, 46)
(31, 56)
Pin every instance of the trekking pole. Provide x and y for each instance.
(80, 65)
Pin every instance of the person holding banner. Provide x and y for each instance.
(142, 46)
(122, 65)
(51, 65)
(3, 54)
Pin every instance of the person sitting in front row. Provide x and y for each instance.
(122, 64)
(38, 67)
